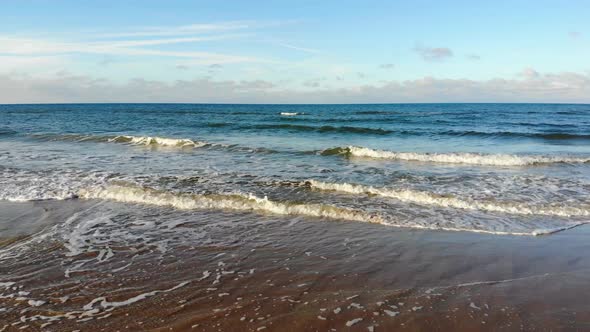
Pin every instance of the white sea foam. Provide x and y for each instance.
(458, 158)
(23, 186)
(290, 113)
(18, 185)
(157, 141)
(236, 202)
(106, 304)
(450, 201)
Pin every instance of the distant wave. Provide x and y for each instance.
(158, 141)
(507, 134)
(375, 112)
(6, 132)
(450, 201)
(572, 112)
(563, 136)
(323, 129)
(454, 158)
(154, 141)
(217, 124)
(303, 126)
(291, 113)
(300, 125)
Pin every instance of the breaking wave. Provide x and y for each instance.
(158, 141)
(26, 186)
(101, 186)
(454, 158)
(450, 201)
(153, 141)
(236, 202)
(249, 203)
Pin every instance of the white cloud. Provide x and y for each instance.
(33, 47)
(182, 29)
(552, 87)
(433, 53)
(297, 48)
(530, 73)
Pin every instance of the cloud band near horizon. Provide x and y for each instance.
(563, 87)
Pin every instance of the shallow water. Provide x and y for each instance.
(519, 169)
(294, 217)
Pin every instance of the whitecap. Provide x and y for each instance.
(451, 201)
(157, 141)
(456, 157)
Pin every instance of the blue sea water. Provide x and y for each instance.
(519, 169)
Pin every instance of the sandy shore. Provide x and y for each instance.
(295, 275)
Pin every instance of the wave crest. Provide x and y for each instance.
(154, 141)
(157, 141)
(322, 129)
(454, 158)
(236, 202)
(449, 201)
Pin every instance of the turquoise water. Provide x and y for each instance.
(499, 168)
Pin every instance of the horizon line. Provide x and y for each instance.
(295, 104)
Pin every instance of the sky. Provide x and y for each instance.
(54, 51)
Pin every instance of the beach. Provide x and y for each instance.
(202, 217)
(301, 275)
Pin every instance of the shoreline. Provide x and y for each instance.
(294, 274)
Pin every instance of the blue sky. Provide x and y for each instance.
(297, 51)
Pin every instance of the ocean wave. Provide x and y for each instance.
(454, 158)
(291, 113)
(450, 201)
(7, 132)
(323, 129)
(26, 186)
(153, 141)
(236, 202)
(510, 134)
(239, 202)
(103, 186)
(375, 112)
(158, 141)
(249, 203)
(217, 124)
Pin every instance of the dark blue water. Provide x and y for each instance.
(526, 128)
(501, 168)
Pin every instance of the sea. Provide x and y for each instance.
(506, 169)
(237, 217)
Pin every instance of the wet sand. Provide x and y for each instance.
(294, 275)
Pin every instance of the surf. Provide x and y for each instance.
(235, 202)
(467, 158)
(158, 141)
(152, 141)
(449, 201)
